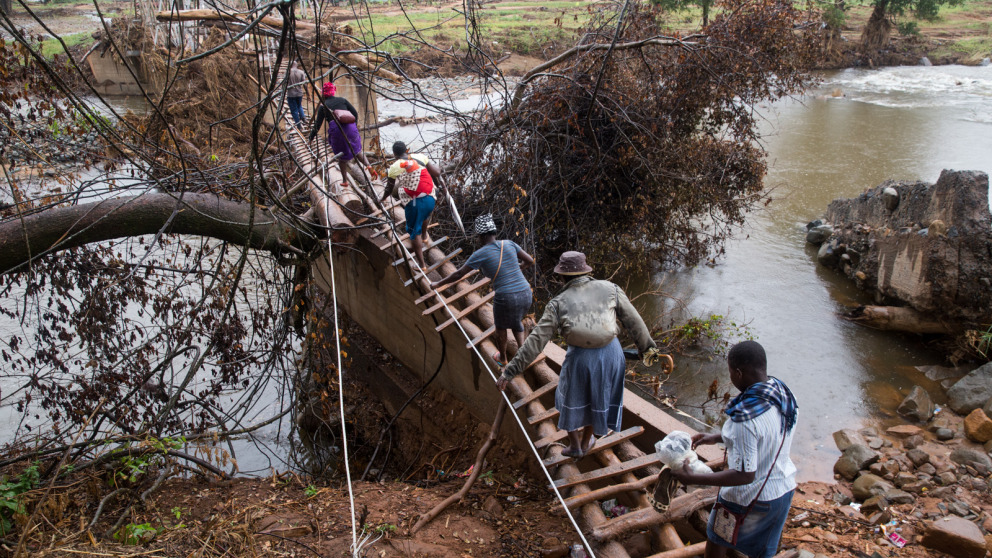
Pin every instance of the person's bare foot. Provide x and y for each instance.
(575, 453)
(589, 445)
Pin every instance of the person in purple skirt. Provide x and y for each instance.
(344, 138)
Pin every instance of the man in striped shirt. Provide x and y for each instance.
(760, 478)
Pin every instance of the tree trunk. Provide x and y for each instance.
(52, 230)
(876, 32)
(6, 6)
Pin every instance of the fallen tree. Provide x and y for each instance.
(635, 145)
(26, 237)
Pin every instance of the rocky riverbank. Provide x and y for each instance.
(929, 480)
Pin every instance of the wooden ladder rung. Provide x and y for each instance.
(471, 287)
(611, 471)
(548, 440)
(482, 336)
(389, 206)
(466, 311)
(432, 268)
(549, 414)
(405, 237)
(388, 228)
(427, 247)
(550, 386)
(601, 444)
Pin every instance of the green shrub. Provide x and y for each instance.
(10, 496)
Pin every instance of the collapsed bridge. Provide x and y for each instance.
(369, 270)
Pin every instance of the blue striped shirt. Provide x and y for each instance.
(751, 446)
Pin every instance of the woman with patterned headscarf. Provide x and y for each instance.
(343, 137)
(501, 261)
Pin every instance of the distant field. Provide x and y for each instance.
(519, 26)
(525, 26)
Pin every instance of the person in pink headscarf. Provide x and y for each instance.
(344, 138)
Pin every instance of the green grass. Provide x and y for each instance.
(974, 49)
(521, 26)
(51, 47)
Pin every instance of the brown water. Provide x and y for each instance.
(896, 123)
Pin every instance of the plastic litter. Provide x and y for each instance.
(676, 448)
(897, 540)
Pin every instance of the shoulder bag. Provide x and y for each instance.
(726, 524)
(343, 116)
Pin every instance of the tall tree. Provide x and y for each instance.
(879, 27)
(683, 5)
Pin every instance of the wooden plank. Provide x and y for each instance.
(431, 268)
(394, 240)
(549, 414)
(389, 206)
(471, 287)
(536, 393)
(482, 336)
(608, 472)
(466, 311)
(601, 444)
(432, 244)
(388, 228)
(548, 440)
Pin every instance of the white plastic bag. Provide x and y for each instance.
(675, 449)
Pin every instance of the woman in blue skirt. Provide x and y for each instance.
(589, 398)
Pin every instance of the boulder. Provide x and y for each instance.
(917, 405)
(947, 478)
(918, 456)
(968, 456)
(987, 407)
(972, 391)
(904, 478)
(904, 430)
(828, 255)
(819, 234)
(914, 441)
(874, 505)
(955, 536)
(846, 467)
(978, 426)
(869, 485)
(896, 496)
(847, 437)
(925, 61)
(890, 196)
(855, 458)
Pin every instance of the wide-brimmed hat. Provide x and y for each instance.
(484, 224)
(572, 263)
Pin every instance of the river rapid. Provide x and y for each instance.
(901, 123)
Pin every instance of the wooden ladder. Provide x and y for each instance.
(613, 468)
